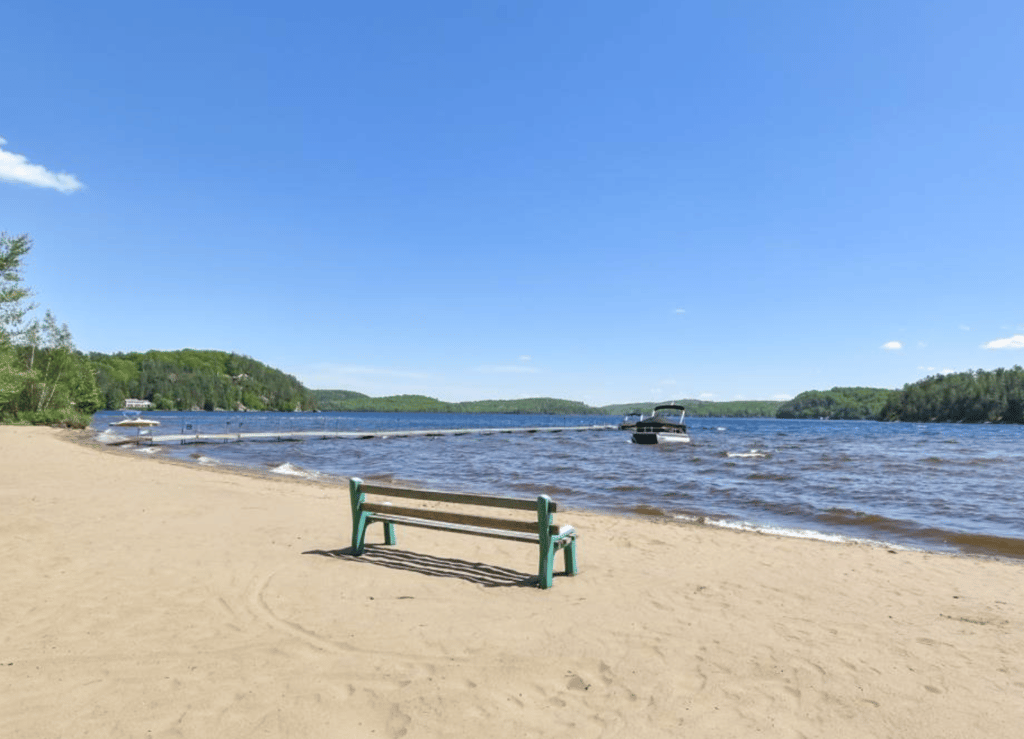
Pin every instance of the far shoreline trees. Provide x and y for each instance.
(193, 379)
(980, 396)
(45, 380)
(837, 404)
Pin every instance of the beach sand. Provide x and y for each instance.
(141, 598)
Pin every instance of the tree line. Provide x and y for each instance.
(353, 402)
(45, 379)
(703, 408)
(347, 400)
(975, 396)
(192, 379)
(839, 403)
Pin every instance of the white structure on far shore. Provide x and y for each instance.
(134, 404)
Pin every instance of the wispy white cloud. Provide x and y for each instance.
(17, 168)
(892, 346)
(1013, 342)
(679, 310)
(524, 367)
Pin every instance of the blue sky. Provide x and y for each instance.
(601, 201)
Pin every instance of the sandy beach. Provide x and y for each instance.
(144, 598)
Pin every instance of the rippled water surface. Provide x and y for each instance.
(932, 486)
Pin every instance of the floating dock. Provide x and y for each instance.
(146, 437)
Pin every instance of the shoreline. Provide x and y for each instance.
(174, 599)
(939, 541)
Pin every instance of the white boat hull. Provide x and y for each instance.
(647, 437)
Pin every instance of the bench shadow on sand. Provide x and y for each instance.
(425, 564)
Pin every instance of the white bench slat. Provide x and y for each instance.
(458, 528)
(466, 519)
(443, 496)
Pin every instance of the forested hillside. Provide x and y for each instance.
(839, 403)
(705, 408)
(344, 400)
(197, 379)
(995, 396)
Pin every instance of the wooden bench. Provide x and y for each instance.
(540, 529)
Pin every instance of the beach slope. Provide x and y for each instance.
(141, 598)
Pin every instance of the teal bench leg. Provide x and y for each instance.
(547, 546)
(547, 564)
(570, 558)
(359, 517)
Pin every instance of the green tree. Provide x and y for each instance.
(839, 403)
(964, 397)
(13, 293)
(200, 379)
(12, 379)
(42, 378)
(13, 307)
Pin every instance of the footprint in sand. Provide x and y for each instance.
(576, 682)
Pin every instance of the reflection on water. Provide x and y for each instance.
(942, 487)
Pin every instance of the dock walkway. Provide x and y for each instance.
(283, 435)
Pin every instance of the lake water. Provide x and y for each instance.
(940, 487)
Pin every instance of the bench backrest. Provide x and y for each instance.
(542, 506)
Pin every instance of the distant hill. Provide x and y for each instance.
(839, 403)
(978, 396)
(196, 379)
(344, 400)
(704, 408)
(325, 398)
(214, 380)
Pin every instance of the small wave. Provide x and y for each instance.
(108, 437)
(148, 450)
(753, 453)
(784, 531)
(533, 488)
(967, 462)
(203, 459)
(626, 488)
(643, 509)
(771, 477)
(967, 542)
(1000, 546)
(848, 517)
(287, 468)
